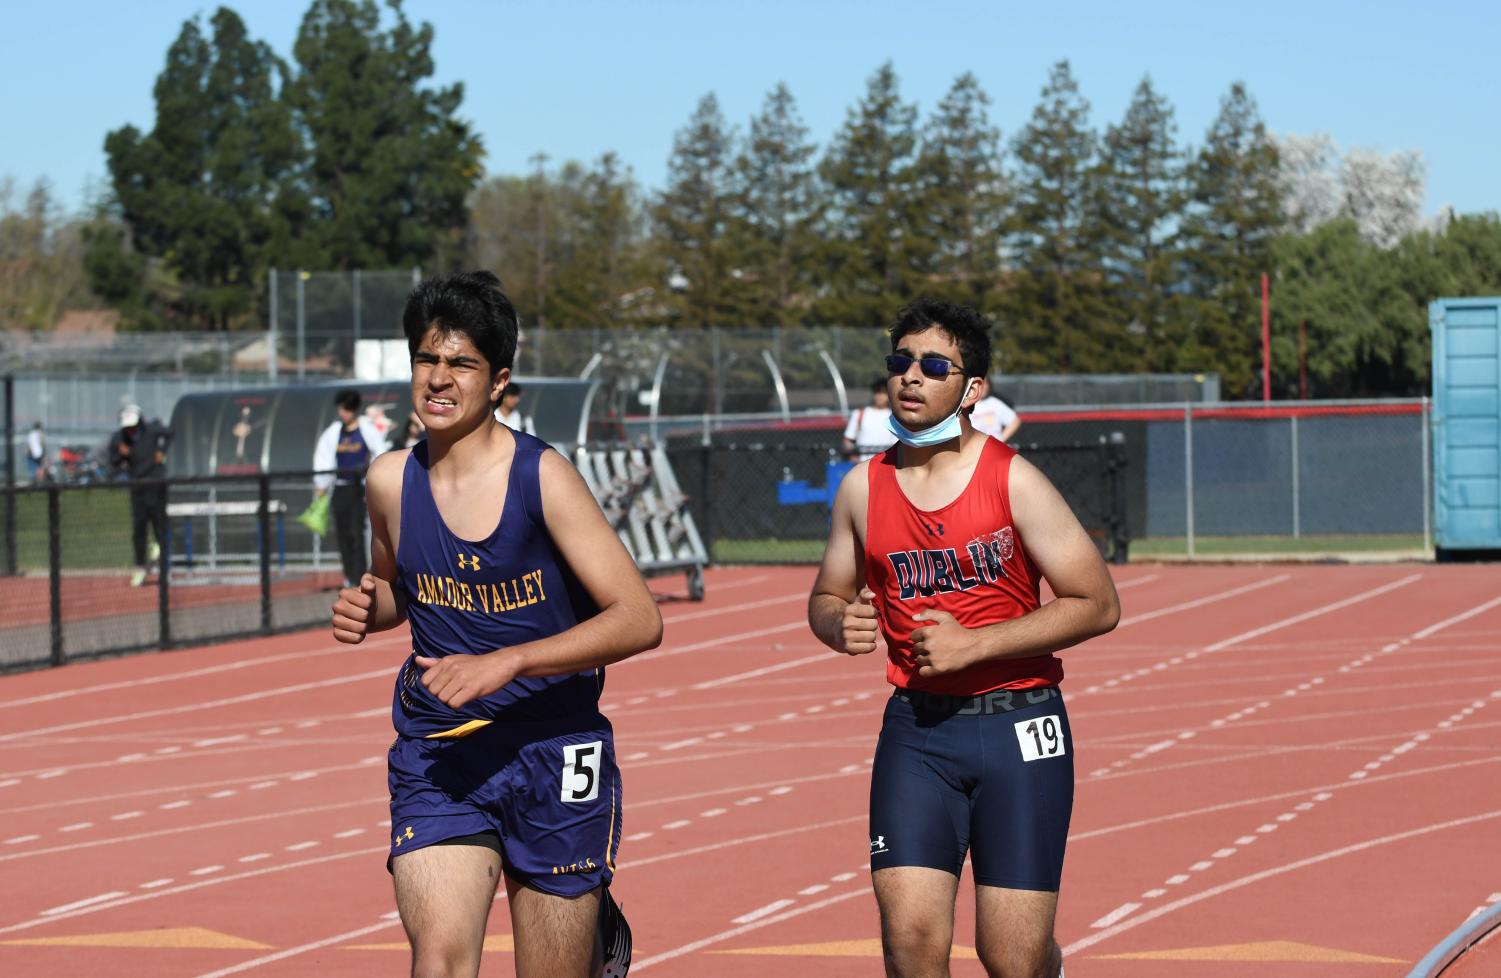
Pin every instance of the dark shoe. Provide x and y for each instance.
(615, 934)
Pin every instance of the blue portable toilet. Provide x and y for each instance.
(1466, 423)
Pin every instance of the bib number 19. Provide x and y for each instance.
(1040, 738)
(581, 771)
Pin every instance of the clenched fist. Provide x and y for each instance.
(352, 611)
(857, 631)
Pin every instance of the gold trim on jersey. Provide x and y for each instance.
(462, 730)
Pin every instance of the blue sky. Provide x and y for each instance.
(576, 79)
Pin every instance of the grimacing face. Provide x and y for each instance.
(452, 386)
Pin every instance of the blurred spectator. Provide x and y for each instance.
(36, 453)
(994, 416)
(343, 453)
(509, 413)
(868, 432)
(139, 450)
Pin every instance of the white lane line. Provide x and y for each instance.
(1265, 874)
(79, 904)
(702, 943)
(321, 649)
(1314, 613)
(204, 826)
(122, 816)
(727, 680)
(222, 794)
(1122, 585)
(637, 837)
(384, 673)
(216, 741)
(765, 911)
(76, 826)
(300, 949)
(20, 839)
(1463, 616)
(677, 744)
(748, 606)
(174, 804)
(299, 846)
(1124, 910)
(255, 857)
(262, 785)
(349, 833)
(204, 870)
(678, 824)
(9, 781)
(1200, 602)
(712, 643)
(815, 888)
(156, 883)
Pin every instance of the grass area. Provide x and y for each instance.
(95, 529)
(1338, 543)
(768, 551)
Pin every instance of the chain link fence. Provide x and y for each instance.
(233, 561)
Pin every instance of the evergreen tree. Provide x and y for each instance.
(875, 252)
(777, 206)
(693, 217)
(1140, 195)
(1234, 212)
(204, 191)
(962, 191)
(389, 165)
(1056, 302)
(600, 269)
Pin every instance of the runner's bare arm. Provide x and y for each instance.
(1085, 603)
(839, 608)
(372, 607)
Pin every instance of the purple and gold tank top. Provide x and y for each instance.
(470, 597)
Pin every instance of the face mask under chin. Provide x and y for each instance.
(946, 430)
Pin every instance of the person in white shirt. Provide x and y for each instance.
(994, 416)
(344, 451)
(508, 412)
(36, 452)
(868, 433)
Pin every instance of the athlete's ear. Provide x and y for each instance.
(971, 392)
(498, 383)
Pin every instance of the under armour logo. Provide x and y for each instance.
(878, 844)
(401, 837)
(469, 562)
(931, 531)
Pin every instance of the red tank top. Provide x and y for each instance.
(966, 559)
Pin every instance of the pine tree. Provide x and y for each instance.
(777, 206)
(874, 254)
(1234, 213)
(601, 267)
(204, 191)
(962, 192)
(693, 217)
(390, 165)
(1055, 305)
(1141, 195)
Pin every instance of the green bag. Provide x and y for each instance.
(315, 517)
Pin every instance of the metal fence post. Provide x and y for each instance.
(272, 338)
(706, 493)
(302, 278)
(1426, 463)
(9, 433)
(163, 578)
(1297, 508)
(1188, 473)
(263, 524)
(55, 570)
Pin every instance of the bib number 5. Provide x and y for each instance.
(581, 771)
(1040, 738)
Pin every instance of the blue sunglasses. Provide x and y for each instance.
(935, 367)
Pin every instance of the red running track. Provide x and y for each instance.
(1282, 770)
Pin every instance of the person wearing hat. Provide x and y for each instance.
(138, 450)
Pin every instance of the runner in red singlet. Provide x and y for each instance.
(940, 545)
